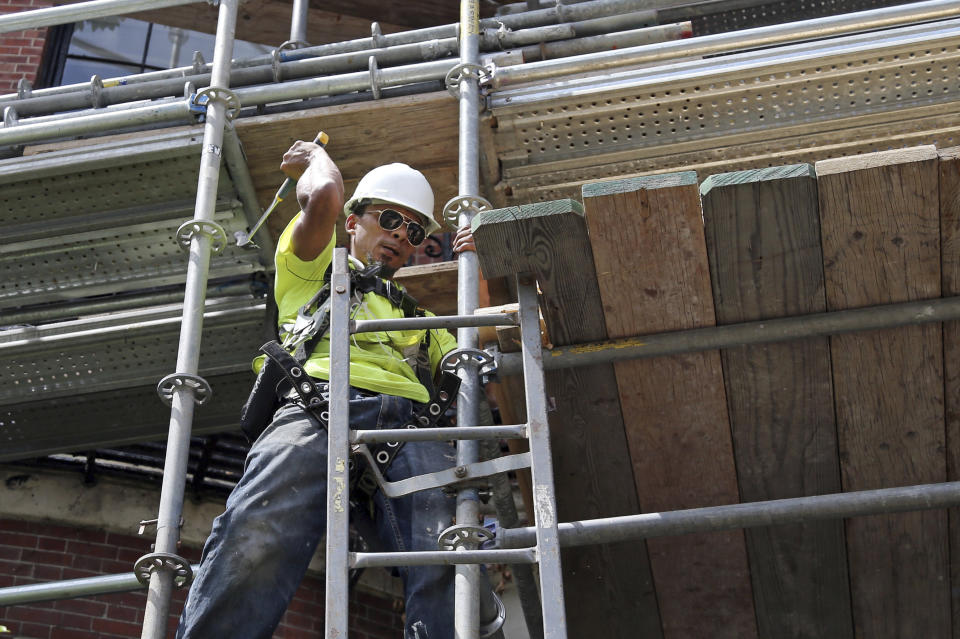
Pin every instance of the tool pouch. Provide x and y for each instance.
(263, 401)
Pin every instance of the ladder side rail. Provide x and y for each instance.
(541, 467)
(338, 452)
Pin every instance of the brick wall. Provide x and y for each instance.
(20, 51)
(36, 553)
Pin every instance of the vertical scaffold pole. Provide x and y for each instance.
(184, 388)
(298, 22)
(467, 606)
(541, 464)
(338, 451)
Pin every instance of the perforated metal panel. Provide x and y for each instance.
(111, 418)
(123, 350)
(89, 221)
(715, 17)
(829, 98)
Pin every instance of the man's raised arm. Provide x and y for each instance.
(320, 194)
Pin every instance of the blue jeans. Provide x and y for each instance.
(260, 547)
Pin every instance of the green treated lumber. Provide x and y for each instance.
(606, 587)
(763, 240)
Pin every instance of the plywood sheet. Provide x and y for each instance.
(881, 244)
(648, 244)
(763, 240)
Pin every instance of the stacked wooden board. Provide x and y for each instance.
(816, 416)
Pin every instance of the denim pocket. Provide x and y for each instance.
(394, 411)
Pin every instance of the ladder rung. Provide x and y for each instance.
(442, 558)
(518, 431)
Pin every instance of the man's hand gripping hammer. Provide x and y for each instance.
(245, 240)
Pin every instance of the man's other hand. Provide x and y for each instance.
(463, 240)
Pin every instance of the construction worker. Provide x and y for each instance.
(260, 547)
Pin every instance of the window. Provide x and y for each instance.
(117, 46)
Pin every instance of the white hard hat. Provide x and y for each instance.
(397, 184)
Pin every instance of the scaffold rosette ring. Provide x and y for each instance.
(228, 97)
(461, 71)
(148, 564)
(457, 205)
(468, 358)
(457, 535)
(199, 387)
(218, 237)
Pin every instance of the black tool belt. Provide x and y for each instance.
(283, 376)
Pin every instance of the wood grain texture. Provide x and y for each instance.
(763, 241)
(648, 243)
(881, 244)
(949, 167)
(416, 130)
(433, 285)
(606, 587)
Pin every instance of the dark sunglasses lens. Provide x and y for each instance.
(390, 219)
(415, 234)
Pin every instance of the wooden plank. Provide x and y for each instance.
(763, 241)
(648, 243)
(950, 264)
(422, 133)
(433, 285)
(607, 588)
(881, 244)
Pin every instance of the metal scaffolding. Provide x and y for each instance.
(163, 569)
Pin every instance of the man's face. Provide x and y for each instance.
(372, 244)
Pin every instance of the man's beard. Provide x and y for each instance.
(386, 271)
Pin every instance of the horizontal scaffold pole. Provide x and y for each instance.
(749, 333)
(762, 513)
(66, 14)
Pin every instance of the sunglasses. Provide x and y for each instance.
(391, 220)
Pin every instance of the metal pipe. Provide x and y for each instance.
(442, 558)
(775, 512)
(437, 434)
(784, 329)
(70, 589)
(182, 404)
(322, 60)
(298, 20)
(441, 321)
(725, 42)
(467, 581)
(236, 162)
(66, 14)
(338, 451)
(180, 111)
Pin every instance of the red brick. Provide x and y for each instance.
(77, 573)
(48, 573)
(124, 613)
(50, 543)
(91, 550)
(15, 538)
(86, 563)
(297, 620)
(87, 607)
(34, 630)
(130, 554)
(17, 569)
(43, 557)
(32, 614)
(79, 622)
(122, 628)
(70, 633)
(9, 552)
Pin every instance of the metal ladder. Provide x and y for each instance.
(464, 538)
